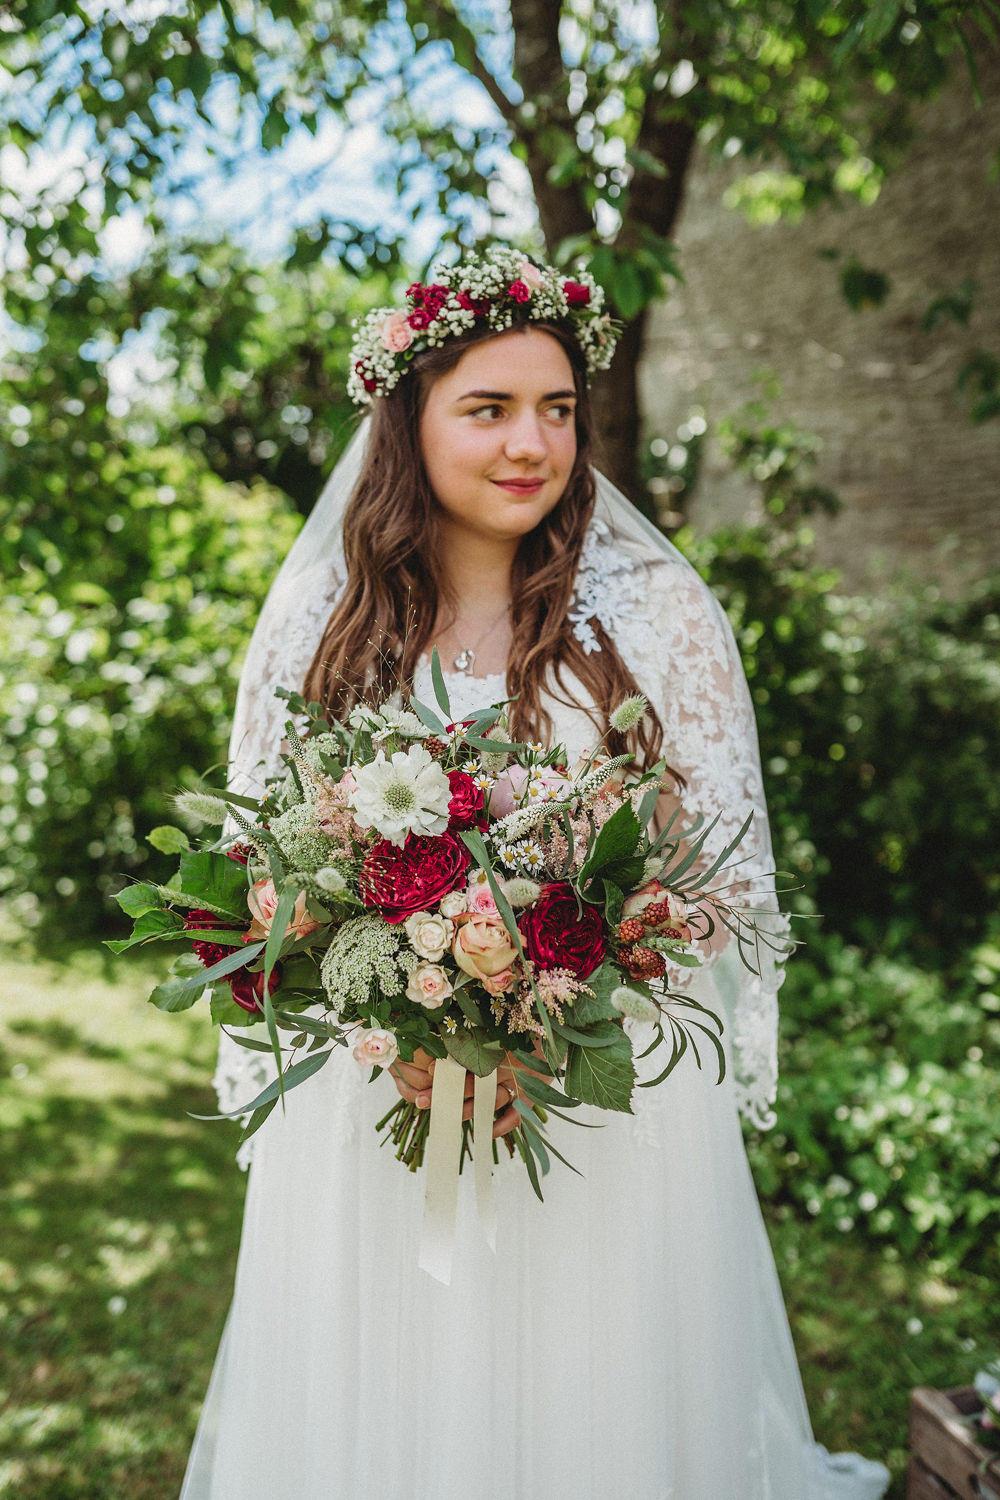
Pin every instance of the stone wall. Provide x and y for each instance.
(918, 479)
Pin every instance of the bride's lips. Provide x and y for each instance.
(520, 486)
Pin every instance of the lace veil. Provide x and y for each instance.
(676, 640)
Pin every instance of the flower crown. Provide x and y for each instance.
(496, 291)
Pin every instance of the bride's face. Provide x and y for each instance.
(498, 435)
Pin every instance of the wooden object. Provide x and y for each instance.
(947, 1462)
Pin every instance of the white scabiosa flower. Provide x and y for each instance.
(628, 714)
(629, 1002)
(407, 794)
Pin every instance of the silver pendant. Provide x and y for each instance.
(464, 660)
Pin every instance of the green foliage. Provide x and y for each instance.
(879, 726)
(118, 668)
(887, 1110)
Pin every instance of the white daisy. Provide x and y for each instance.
(471, 767)
(483, 782)
(407, 794)
(532, 857)
(508, 855)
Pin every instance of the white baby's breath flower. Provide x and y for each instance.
(202, 806)
(629, 713)
(629, 1002)
(407, 794)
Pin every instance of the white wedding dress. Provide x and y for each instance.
(628, 1339)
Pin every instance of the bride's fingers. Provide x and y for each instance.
(506, 1121)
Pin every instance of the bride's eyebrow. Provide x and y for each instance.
(507, 396)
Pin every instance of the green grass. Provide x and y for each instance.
(121, 1221)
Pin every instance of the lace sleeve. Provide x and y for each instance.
(676, 640)
(281, 648)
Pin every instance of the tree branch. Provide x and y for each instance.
(449, 26)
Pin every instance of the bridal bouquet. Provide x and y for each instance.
(410, 882)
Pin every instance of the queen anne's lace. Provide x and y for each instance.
(676, 641)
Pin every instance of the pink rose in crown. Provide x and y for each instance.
(558, 936)
(482, 947)
(467, 808)
(531, 275)
(576, 294)
(399, 882)
(395, 333)
(263, 903)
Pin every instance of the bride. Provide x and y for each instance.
(628, 1337)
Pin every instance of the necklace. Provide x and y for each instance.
(466, 658)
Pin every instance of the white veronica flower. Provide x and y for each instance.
(407, 794)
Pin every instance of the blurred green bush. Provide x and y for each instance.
(888, 1103)
(117, 682)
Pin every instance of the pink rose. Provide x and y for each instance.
(519, 787)
(531, 275)
(498, 984)
(263, 903)
(482, 946)
(376, 1049)
(519, 291)
(479, 898)
(429, 986)
(395, 333)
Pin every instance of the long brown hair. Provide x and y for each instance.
(383, 621)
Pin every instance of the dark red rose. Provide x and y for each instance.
(419, 319)
(200, 921)
(557, 937)
(248, 989)
(519, 291)
(467, 808)
(577, 295)
(398, 882)
(478, 306)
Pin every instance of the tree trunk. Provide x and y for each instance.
(615, 398)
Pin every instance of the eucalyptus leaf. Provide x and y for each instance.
(296, 1074)
(476, 1051)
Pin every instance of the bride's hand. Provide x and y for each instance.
(415, 1081)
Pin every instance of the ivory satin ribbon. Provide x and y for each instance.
(444, 1143)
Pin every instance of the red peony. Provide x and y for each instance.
(399, 882)
(467, 808)
(199, 921)
(248, 989)
(558, 937)
(577, 295)
(520, 291)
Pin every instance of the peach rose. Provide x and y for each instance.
(263, 903)
(482, 946)
(429, 986)
(376, 1049)
(452, 905)
(499, 984)
(395, 333)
